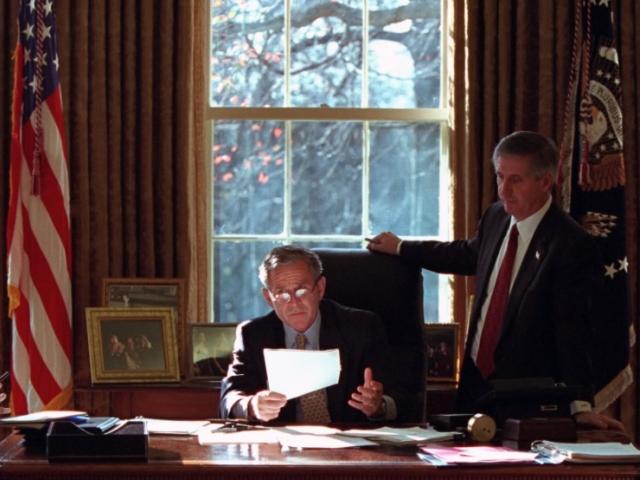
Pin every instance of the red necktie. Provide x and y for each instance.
(497, 308)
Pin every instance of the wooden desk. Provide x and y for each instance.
(183, 458)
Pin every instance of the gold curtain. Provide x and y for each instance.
(511, 72)
(135, 142)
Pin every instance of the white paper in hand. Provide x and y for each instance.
(296, 372)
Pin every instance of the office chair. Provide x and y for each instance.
(390, 287)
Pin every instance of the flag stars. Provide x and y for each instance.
(47, 32)
(610, 271)
(56, 62)
(599, 73)
(34, 84)
(47, 7)
(32, 5)
(624, 265)
(28, 31)
(42, 60)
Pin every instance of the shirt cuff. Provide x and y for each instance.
(389, 409)
(579, 406)
(241, 408)
(398, 248)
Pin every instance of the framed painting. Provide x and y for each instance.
(132, 345)
(441, 351)
(149, 293)
(211, 349)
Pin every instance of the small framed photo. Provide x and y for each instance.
(211, 349)
(132, 345)
(148, 293)
(441, 351)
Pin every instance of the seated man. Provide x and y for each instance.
(294, 287)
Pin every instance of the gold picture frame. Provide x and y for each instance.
(142, 292)
(441, 351)
(132, 345)
(211, 349)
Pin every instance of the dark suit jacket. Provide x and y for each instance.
(358, 334)
(547, 327)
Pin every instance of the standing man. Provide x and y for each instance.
(537, 276)
(294, 287)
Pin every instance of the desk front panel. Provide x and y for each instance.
(183, 458)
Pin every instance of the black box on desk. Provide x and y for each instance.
(68, 442)
(520, 432)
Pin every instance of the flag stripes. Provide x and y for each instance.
(38, 226)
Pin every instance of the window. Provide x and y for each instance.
(327, 125)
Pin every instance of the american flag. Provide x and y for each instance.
(38, 228)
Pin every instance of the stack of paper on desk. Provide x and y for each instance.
(402, 436)
(306, 436)
(173, 427)
(473, 454)
(211, 436)
(597, 452)
(317, 436)
(38, 420)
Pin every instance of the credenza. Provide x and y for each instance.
(191, 400)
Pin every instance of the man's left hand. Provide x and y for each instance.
(368, 397)
(599, 421)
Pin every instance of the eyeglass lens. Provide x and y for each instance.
(285, 297)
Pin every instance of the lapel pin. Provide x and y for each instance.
(537, 255)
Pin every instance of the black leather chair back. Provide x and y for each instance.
(392, 288)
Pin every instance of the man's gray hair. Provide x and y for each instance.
(541, 150)
(289, 254)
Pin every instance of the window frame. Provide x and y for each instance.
(440, 115)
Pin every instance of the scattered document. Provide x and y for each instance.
(457, 455)
(211, 436)
(402, 436)
(174, 427)
(597, 452)
(292, 438)
(296, 372)
(41, 419)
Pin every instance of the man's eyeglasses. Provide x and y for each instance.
(299, 293)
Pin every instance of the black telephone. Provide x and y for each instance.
(526, 398)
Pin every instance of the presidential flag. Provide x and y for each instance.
(38, 228)
(591, 186)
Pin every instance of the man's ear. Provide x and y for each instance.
(548, 181)
(322, 284)
(267, 297)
